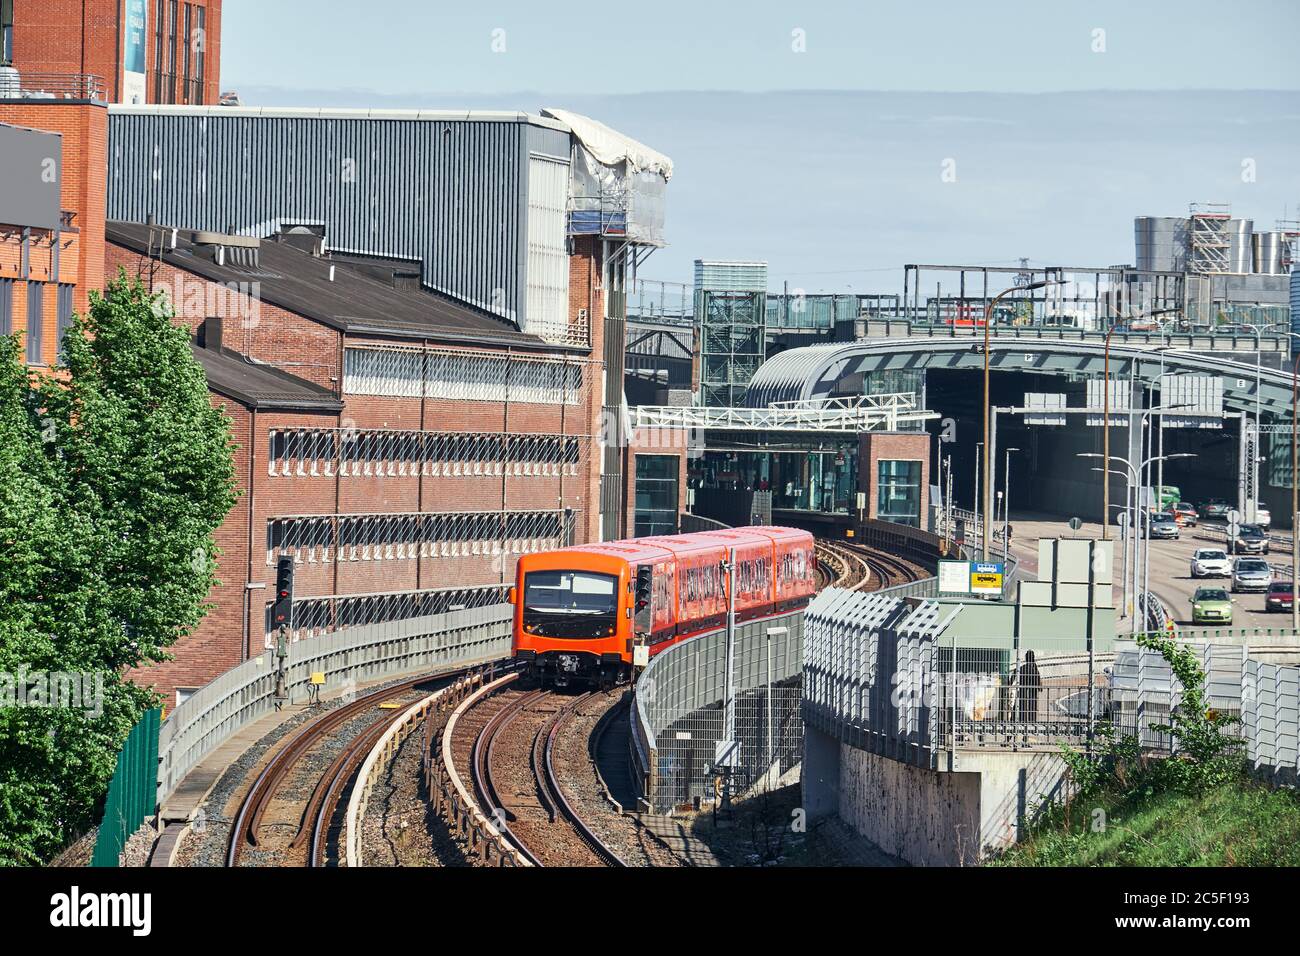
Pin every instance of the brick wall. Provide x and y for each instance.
(874, 447)
(85, 36)
(83, 129)
(310, 350)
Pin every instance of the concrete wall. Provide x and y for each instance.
(929, 817)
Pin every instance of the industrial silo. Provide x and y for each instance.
(1160, 243)
(1269, 248)
(1241, 254)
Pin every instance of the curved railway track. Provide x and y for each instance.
(534, 815)
(314, 826)
(856, 567)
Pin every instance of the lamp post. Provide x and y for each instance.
(1131, 475)
(1006, 509)
(988, 321)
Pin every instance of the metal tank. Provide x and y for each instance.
(1268, 253)
(1160, 243)
(1241, 254)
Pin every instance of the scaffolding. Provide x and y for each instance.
(1208, 239)
(733, 337)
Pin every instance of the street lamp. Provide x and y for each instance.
(1133, 480)
(988, 321)
(1006, 509)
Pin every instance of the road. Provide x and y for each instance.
(1171, 579)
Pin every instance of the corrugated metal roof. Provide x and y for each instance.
(298, 282)
(261, 386)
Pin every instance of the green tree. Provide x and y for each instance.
(114, 472)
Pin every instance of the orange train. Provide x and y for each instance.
(590, 613)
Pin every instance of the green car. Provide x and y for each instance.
(1211, 606)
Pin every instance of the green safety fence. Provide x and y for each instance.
(133, 793)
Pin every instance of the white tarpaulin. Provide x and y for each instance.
(611, 147)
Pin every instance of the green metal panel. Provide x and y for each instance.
(133, 792)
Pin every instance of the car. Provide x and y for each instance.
(1215, 508)
(1262, 517)
(1184, 514)
(1250, 539)
(1251, 574)
(1210, 563)
(1281, 595)
(1162, 525)
(1211, 606)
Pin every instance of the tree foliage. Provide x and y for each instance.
(115, 470)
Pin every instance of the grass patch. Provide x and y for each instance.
(1238, 823)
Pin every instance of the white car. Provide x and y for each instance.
(1210, 563)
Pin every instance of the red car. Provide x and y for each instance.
(1183, 513)
(1281, 595)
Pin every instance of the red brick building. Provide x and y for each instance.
(403, 448)
(52, 208)
(136, 51)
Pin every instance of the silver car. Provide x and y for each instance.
(1210, 563)
(1251, 574)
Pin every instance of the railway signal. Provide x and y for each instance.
(282, 609)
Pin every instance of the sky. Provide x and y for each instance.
(944, 132)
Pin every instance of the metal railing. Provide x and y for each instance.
(678, 718)
(21, 85)
(347, 658)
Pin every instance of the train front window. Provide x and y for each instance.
(570, 604)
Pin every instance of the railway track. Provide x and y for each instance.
(856, 567)
(313, 824)
(507, 739)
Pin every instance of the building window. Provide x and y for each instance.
(64, 304)
(171, 52)
(656, 495)
(159, 22)
(35, 321)
(185, 693)
(6, 32)
(6, 306)
(898, 496)
(200, 55)
(185, 55)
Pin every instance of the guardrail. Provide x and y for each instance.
(451, 797)
(676, 728)
(358, 655)
(16, 85)
(427, 711)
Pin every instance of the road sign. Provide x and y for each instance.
(954, 577)
(1075, 524)
(986, 578)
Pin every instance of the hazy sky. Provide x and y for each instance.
(399, 46)
(851, 171)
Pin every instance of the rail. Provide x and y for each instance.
(349, 657)
(22, 85)
(383, 752)
(453, 800)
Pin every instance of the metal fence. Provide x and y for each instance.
(133, 792)
(879, 676)
(353, 656)
(678, 717)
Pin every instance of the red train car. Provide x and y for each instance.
(595, 611)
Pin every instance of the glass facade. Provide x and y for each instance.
(821, 480)
(898, 494)
(656, 495)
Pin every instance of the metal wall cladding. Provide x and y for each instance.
(449, 192)
(1295, 301)
(726, 276)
